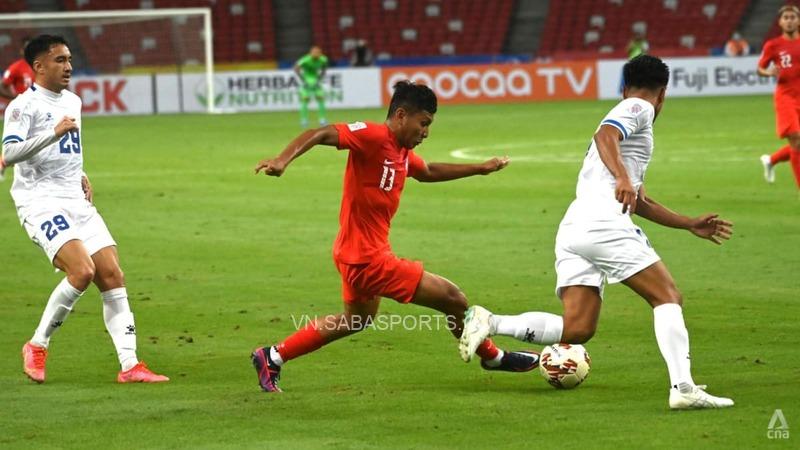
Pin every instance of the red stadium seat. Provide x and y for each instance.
(237, 32)
(666, 21)
(383, 27)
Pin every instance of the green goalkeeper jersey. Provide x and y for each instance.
(311, 68)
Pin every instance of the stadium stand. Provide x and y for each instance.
(10, 40)
(401, 28)
(12, 6)
(243, 31)
(584, 28)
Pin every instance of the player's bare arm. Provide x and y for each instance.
(327, 135)
(706, 226)
(607, 140)
(15, 152)
(445, 171)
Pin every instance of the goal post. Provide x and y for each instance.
(117, 42)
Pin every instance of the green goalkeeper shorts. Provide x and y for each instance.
(307, 90)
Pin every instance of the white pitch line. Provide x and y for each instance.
(570, 155)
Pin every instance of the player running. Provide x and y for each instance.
(42, 139)
(598, 242)
(780, 58)
(380, 159)
(17, 78)
(311, 69)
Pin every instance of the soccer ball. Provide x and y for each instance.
(564, 366)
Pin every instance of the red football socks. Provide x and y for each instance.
(783, 154)
(305, 340)
(487, 350)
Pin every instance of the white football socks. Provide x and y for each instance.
(55, 313)
(535, 327)
(673, 341)
(119, 323)
(275, 356)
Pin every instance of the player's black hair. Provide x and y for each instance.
(646, 71)
(412, 97)
(41, 44)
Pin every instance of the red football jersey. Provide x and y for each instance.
(19, 76)
(785, 55)
(374, 179)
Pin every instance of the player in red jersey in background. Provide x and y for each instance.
(380, 159)
(781, 58)
(17, 78)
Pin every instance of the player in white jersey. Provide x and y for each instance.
(597, 242)
(42, 139)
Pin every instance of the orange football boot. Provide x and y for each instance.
(140, 374)
(33, 360)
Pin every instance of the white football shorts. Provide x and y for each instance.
(593, 253)
(51, 225)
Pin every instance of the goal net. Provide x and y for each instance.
(162, 45)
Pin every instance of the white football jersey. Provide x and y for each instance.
(595, 193)
(55, 171)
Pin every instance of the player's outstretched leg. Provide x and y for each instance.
(655, 284)
(118, 318)
(533, 327)
(269, 360)
(75, 262)
(442, 295)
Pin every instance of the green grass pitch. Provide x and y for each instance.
(219, 261)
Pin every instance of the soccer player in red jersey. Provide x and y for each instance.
(380, 159)
(781, 58)
(16, 80)
(18, 77)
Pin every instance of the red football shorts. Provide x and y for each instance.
(385, 276)
(787, 116)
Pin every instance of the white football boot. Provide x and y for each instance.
(477, 327)
(686, 396)
(769, 169)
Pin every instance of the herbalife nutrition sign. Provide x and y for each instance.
(279, 90)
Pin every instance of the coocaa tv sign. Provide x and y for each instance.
(500, 83)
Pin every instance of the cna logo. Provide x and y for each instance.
(201, 93)
(778, 428)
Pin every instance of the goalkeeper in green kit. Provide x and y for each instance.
(310, 69)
